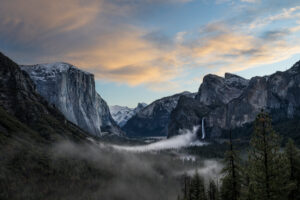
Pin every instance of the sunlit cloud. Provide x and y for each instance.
(289, 13)
(126, 56)
(227, 50)
(250, 1)
(80, 32)
(32, 19)
(103, 37)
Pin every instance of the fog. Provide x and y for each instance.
(210, 170)
(136, 176)
(185, 139)
(95, 169)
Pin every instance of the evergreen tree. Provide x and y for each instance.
(197, 188)
(293, 157)
(186, 186)
(231, 182)
(247, 190)
(213, 192)
(268, 177)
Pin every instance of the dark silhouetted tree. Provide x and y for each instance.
(293, 157)
(186, 182)
(267, 168)
(197, 188)
(213, 192)
(231, 182)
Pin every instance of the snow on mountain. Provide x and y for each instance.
(153, 119)
(73, 92)
(121, 114)
(232, 103)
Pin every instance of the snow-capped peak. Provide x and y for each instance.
(121, 114)
(50, 69)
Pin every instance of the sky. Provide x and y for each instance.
(142, 50)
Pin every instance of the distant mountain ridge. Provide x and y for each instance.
(153, 119)
(121, 114)
(73, 92)
(233, 102)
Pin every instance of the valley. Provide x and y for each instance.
(57, 145)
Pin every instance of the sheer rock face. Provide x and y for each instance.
(216, 90)
(153, 119)
(20, 99)
(72, 91)
(233, 102)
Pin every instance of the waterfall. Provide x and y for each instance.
(203, 129)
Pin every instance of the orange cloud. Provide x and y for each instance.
(118, 53)
(231, 51)
(125, 56)
(36, 18)
(121, 53)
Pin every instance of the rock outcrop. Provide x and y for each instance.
(19, 99)
(217, 90)
(233, 102)
(72, 91)
(153, 119)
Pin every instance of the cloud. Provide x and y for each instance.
(250, 1)
(125, 55)
(94, 35)
(225, 48)
(103, 37)
(289, 13)
(186, 139)
(27, 20)
(229, 44)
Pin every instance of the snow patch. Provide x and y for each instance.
(121, 114)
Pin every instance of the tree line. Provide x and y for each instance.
(269, 173)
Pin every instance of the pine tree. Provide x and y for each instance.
(197, 188)
(247, 191)
(231, 182)
(186, 186)
(213, 192)
(293, 157)
(268, 177)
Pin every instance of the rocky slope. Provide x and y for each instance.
(19, 99)
(217, 90)
(153, 119)
(121, 114)
(41, 152)
(72, 91)
(233, 102)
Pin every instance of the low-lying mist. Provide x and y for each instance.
(136, 176)
(130, 176)
(185, 139)
(95, 170)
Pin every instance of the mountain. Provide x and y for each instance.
(153, 119)
(42, 153)
(233, 102)
(217, 90)
(20, 102)
(121, 114)
(72, 91)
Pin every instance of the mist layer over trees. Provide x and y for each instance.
(269, 173)
(69, 170)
